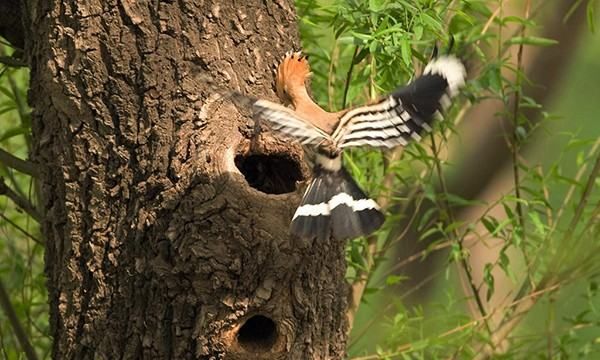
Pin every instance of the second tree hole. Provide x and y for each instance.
(258, 334)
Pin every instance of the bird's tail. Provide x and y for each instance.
(334, 205)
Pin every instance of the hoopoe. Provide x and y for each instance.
(334, 204)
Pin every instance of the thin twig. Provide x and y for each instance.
(584, 199)
(15, 324)
(532, 297)
(458, 239)
(358, 287)
(521, 308)
(490, 21)
(24, 166)
(515, 143)
(331, 76)
(348, 77)
(546, 192)
(25, 232)
(595, 217)
(442, 245)
(390, 241)
(508, 324)
(377, 316)
(550, 331)
(581, 205)
(21, 108)
(571, 191)
(12, 62)
(556, 220)
(24, 204)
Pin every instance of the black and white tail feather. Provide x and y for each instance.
(333, 204)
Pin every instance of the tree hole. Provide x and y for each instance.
(258, 334)
(271, 174)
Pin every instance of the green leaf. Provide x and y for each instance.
(7, 109)
(493, 78)
(501, 226)
(532, 40)
(590, 16)
(488, 278)
(373, 47)
(431, 22)
(518, 20)
(540, 228)
(375, 5)
(521, 133)
(419, 345)
(7, 92)
(429, 232)
(418, 32)
(504, 261)
(455, 253)
(490, 223)
(394, 279)
(362, 37)
(406, 51)
(460, 201)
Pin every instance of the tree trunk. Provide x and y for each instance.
(166, 226)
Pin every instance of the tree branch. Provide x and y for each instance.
(23, 231)
(15, 324)
(24, 166)
(24, 204)
(12, 61)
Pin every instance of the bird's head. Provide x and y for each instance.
(292, 74)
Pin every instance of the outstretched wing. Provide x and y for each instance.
(286, 122)
(403, 115)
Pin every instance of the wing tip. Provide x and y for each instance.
(450, 68)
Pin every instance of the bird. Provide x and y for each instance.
(333, 204)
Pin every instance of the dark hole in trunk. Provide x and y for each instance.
(258, 334)
(271, 174)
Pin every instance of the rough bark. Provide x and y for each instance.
(158, 247)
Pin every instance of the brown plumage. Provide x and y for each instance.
(291, 82)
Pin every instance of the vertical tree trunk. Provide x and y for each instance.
(157, 246)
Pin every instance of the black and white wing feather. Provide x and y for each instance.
(378, 125)
(403, 115)
(288, 123)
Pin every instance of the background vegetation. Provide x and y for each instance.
(510, 272)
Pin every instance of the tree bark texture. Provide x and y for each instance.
(166, 226)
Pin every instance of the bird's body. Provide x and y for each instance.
(333, 204)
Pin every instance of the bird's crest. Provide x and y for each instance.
(292, 73)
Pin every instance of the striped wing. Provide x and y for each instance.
(287, 123)
(406, 113)
(384, 124)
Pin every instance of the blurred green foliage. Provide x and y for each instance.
(21, 244)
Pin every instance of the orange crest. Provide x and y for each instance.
(291, 76)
